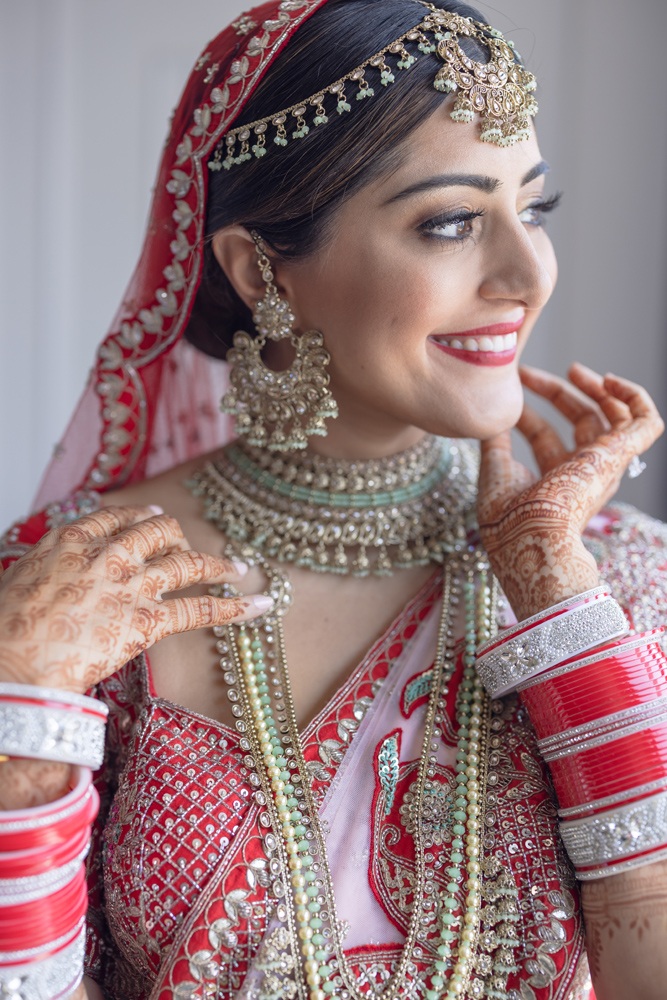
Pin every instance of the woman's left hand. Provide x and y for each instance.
(532, 528)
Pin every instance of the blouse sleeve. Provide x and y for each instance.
(630, 549)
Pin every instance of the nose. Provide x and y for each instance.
(519, 268)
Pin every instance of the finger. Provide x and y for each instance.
(544, 440)
(182, 569)
(107, 522)
(577, 407)
(646, 424)
(497, 459)
(592, 384)
(635, 397)
(187, 613)
(154, 536)
(500, 474)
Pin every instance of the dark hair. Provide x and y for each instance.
(290, 195)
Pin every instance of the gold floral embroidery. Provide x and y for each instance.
(157, 326)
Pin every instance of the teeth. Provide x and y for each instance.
(491, 345)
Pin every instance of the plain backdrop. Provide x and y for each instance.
(86, 89)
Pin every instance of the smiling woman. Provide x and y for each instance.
(316, 646)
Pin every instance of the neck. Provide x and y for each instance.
(358, 434)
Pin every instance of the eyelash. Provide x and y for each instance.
(457, 218)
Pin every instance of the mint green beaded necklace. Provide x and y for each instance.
(272, 736)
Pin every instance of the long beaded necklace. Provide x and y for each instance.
(272, 736)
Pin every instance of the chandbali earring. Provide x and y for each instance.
(295, 401)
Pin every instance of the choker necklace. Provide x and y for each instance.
(335, 516)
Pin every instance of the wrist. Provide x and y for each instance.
(25, 784)
(18, 666)
(535, 577)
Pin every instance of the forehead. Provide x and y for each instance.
(442, 146)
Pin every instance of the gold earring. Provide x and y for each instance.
(296, 401)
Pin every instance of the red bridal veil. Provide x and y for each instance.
(152, 400)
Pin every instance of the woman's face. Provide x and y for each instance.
(430, 285)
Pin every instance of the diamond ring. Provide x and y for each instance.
(635, 468)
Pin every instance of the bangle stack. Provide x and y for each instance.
(43, 895)
(598, 703)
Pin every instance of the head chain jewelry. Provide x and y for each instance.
(499, 91)
(296, 401)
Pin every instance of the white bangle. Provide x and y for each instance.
(52, 724)
(619, 839)
(545, 640)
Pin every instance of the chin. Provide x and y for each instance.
(486, 417)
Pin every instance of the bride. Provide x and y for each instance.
(318, 777)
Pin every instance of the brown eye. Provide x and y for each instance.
(454, 227)
(453, 230)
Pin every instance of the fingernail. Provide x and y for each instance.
(155, 508)
(240, 567)
(262, 602)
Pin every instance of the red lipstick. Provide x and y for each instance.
(489, 346)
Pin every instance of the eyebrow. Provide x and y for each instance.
(482, 183)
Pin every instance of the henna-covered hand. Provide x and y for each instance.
(88, 597)
(532, 528)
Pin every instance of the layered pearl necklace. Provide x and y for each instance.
(263, 697)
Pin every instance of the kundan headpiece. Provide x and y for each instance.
(499, 90)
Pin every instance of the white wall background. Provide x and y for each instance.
(87, 86)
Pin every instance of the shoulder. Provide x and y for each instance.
(630, 549)
(27, 532)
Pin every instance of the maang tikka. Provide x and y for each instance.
(295, 401)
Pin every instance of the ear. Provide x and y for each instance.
(234, 249)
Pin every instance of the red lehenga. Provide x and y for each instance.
(183, 883)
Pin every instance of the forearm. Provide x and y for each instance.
(88, 990)
(28, 783)
(626, 933)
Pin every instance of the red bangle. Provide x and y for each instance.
(34, 924)
(34, 861)
(627, 672)
(43, 952)
(54, 822)
(593, 774)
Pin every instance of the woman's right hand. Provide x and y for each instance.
(87, 597)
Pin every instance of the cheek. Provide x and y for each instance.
(379, 299)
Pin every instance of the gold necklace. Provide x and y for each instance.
(271, 735)
(343, 517)
(253, 494)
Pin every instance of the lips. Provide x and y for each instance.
(489, 345)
